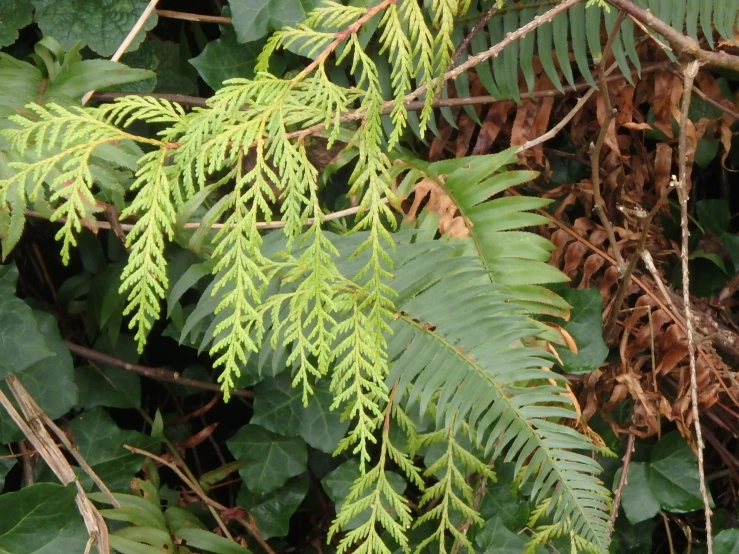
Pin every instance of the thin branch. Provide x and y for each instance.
(496, 49)
(156, 373)
(595, 150)
(690, 71)
(253, 531)
(472, 34)
(127, 227)
(679, 42)
(128, 40)
(622, 480)
(182, 99)
(196, 17)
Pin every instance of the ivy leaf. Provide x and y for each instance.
(278, 407)
(253, 19)
(495, 538)
(105, 385)
(586, 328)
(22, 342)
(500, 500)
(41, 518)
(273, 510)
(14, 15)
(673, 475)
(100, 24)
(638, 501)
(714, 215)
(226, 58)
(100, 441)
(58, 369)
(270, 459)
(726, 542)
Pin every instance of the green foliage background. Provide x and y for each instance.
(407, 375)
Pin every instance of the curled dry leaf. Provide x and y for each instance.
(439, 202)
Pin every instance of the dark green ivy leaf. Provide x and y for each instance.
(273, 510)
(726, 542)
(100, 441)
(100, 24)
(586, 328)
(638, 501)
(7, 461)
(714, 215)
(495, 538)
(253, 19)
(41, 518)
(58, 369)
(278, 406)
(673, 475)
(270, 459)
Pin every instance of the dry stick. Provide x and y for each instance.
(679, 42)
(182, 99)
(496, 49)
(472, 34)
(156, 373)
(253, 531)
(196, 17)
(629, 270)
(50, 453)
(683, 190)
(128, 40)
(187, 226)
(595, 149)
(621, 483)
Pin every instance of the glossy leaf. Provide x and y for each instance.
(638, 501)
(586, 327)
(270, 459)
(272, 511)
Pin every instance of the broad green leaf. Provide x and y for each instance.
(586, 327)
(495, 538)
(731, 243)
(638, 501)
(225, 58)
(100, 441)
(673, 475)
(58, 369)
(500, 500)
(253, 19)
(273, 511)
(270, 459)
(100, 24)
(22, 342)
(210, 542)
(106, 385)
(726, 542)
(41, 519)
(14, 15)
(714, 215)
(278, 407)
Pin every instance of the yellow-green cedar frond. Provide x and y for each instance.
(373, 493)
(395, 41)
(558, 528)
(357, 382)
(452, 491)
(310, 323)
(128, 109)
(145, 274)
(241, 283)
(308, 42)
(333, 14)
(421, 41)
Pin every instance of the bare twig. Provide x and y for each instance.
(679, 42)
(182, 99)
(209, 502)
(156, 373)
(38, 436)
(595, 149)
(683, 189)
(128, 40)
(622, 480)
(127, 227)
(196, 17)
(472, 34)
